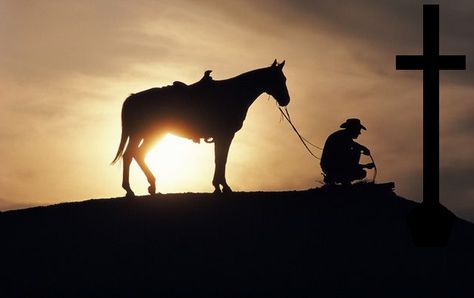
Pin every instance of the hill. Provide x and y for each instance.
(320, 242)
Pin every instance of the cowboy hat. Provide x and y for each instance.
(353, 123)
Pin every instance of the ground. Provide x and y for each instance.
(328, 242)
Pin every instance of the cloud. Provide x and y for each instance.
(66, 67)
(392, 27)
(48, 41)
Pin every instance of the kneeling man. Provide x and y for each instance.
(341, 155)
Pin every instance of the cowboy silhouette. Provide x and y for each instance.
(341, 155)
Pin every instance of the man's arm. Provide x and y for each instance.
(362, 148)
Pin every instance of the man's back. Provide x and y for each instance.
(339, 151)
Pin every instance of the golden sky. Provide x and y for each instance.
(67, 66)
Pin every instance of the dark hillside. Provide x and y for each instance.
(321, 242)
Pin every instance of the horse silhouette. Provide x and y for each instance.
(208, 109)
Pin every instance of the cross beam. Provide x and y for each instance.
(431, 63)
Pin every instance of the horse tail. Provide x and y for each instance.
(124, 136)
(120, 150)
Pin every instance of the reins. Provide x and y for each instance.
(302, 139)
(375, 167)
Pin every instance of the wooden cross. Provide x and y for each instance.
(431, 63)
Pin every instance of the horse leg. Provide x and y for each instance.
(140, 159)
(221, 151)
(127, 160)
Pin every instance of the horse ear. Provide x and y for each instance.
(274, 63)
(281, 64)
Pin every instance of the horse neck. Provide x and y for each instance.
(248, 86)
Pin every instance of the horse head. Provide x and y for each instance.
(277, 84)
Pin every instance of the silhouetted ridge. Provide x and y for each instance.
(332, 242)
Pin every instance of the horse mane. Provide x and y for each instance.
(244, 75)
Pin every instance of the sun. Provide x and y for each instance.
(181, 165)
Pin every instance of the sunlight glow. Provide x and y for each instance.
(178, 164)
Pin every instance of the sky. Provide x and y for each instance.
(67, 66)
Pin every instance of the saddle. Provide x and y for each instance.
(206, 78)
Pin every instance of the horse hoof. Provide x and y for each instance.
(217, 191)
(151, 190)
(130, 195)
(226, 189)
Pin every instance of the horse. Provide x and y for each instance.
(213, 110)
